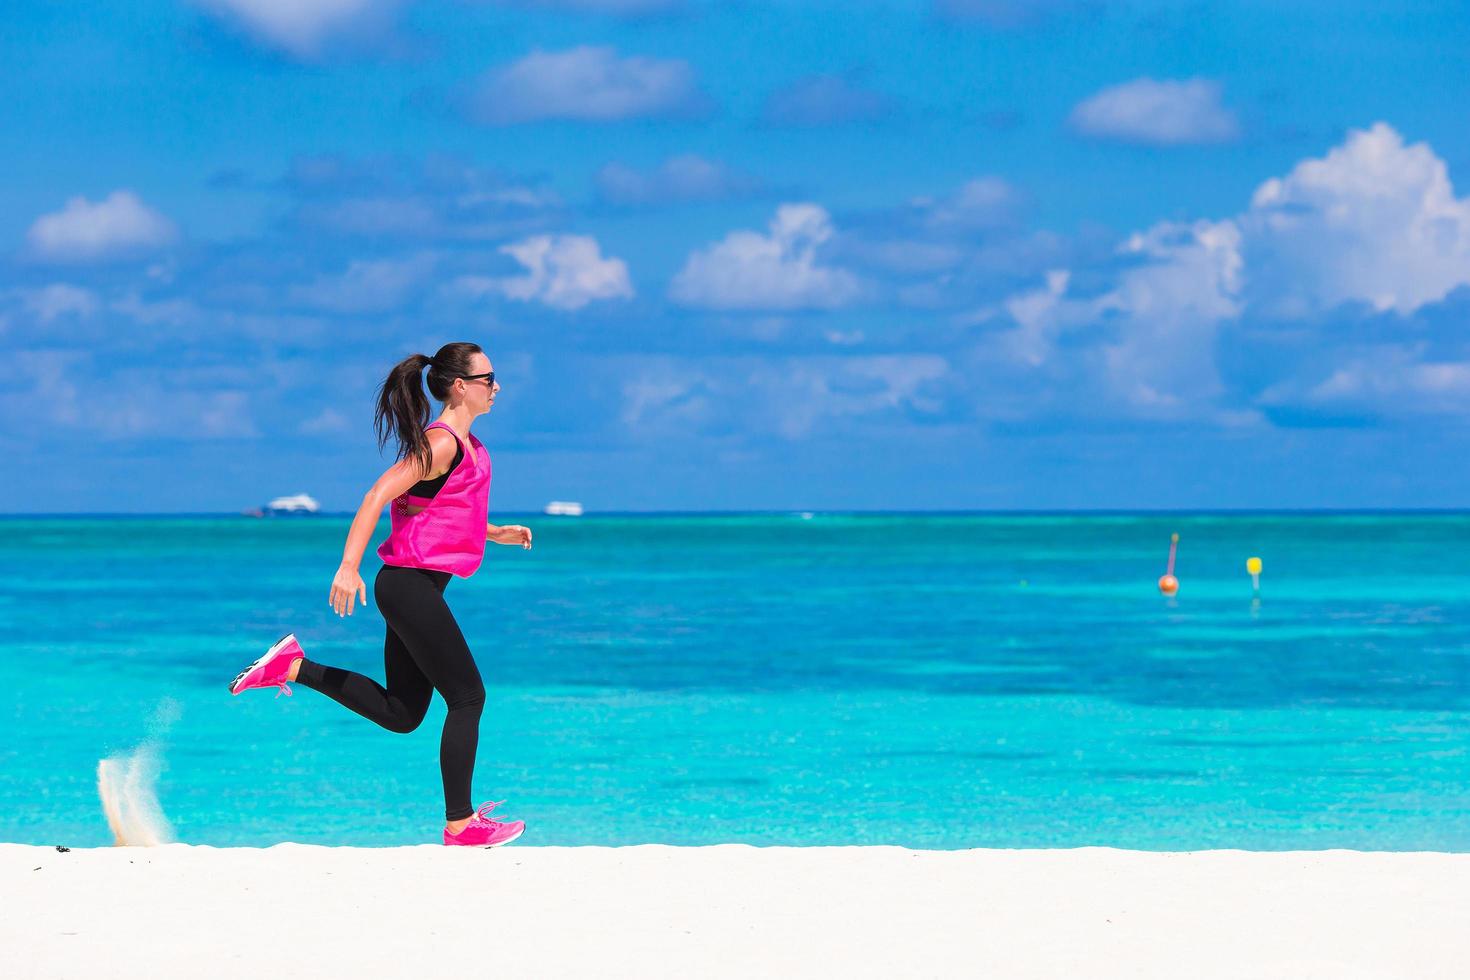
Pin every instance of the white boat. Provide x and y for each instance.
(564, 508)
(299, 503)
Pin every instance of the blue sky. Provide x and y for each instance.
(729, 255)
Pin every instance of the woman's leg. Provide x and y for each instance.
(399, 707)
(412, 601)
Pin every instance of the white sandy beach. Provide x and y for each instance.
(732, 910)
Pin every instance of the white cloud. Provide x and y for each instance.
(83, 231)
(565, 272)
(980, 203)
(1146, 346)
(531, 198)
(185, 318)
(1192, 272)
(1387, 380)
(441, 197)
(367, 286)
(933, 249)
(141, 403)
(585, 83)
(790, 398)
(906, 257)
(1157, 112)
(328, 420)
(173, 312)
(302, 28)
(843, 338)
(1038, 315)
(813, 390)
(664, 397)
(683, 178)
(748, 270)
(1163, 362)
(59, 299)
(1373, 221)
(225, 415)
(374, 216)
(825, 100)
(474, 215)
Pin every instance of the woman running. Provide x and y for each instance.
(440, 494)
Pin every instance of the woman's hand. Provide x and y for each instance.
(346, 586)
(512, 534)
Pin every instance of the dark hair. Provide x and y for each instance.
(401, 402)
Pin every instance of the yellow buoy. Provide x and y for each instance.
(1253, 565)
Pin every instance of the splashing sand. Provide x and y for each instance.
(126, 783)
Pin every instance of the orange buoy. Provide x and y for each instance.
(1168, 584)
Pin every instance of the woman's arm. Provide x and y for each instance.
(347, 584)
(391, 485)
(508, 534)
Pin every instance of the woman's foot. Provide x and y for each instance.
(481, 831)
(455, 826)
(276, 667)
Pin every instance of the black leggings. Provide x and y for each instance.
(424, 650)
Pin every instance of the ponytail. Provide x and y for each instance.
(402, 408)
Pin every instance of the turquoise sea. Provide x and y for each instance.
(936, 681)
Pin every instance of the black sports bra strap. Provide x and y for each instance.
(430, 487)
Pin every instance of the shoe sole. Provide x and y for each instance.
(264, 658)
(518, 833)
(507, 840)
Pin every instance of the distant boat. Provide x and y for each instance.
(564, 508)
(299, 503)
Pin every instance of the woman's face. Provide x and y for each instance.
(479, 393)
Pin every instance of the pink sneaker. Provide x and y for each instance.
(481, 831)
(270, 669)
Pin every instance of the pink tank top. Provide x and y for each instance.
(448, 535)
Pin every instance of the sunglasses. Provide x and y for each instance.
(489, 378)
